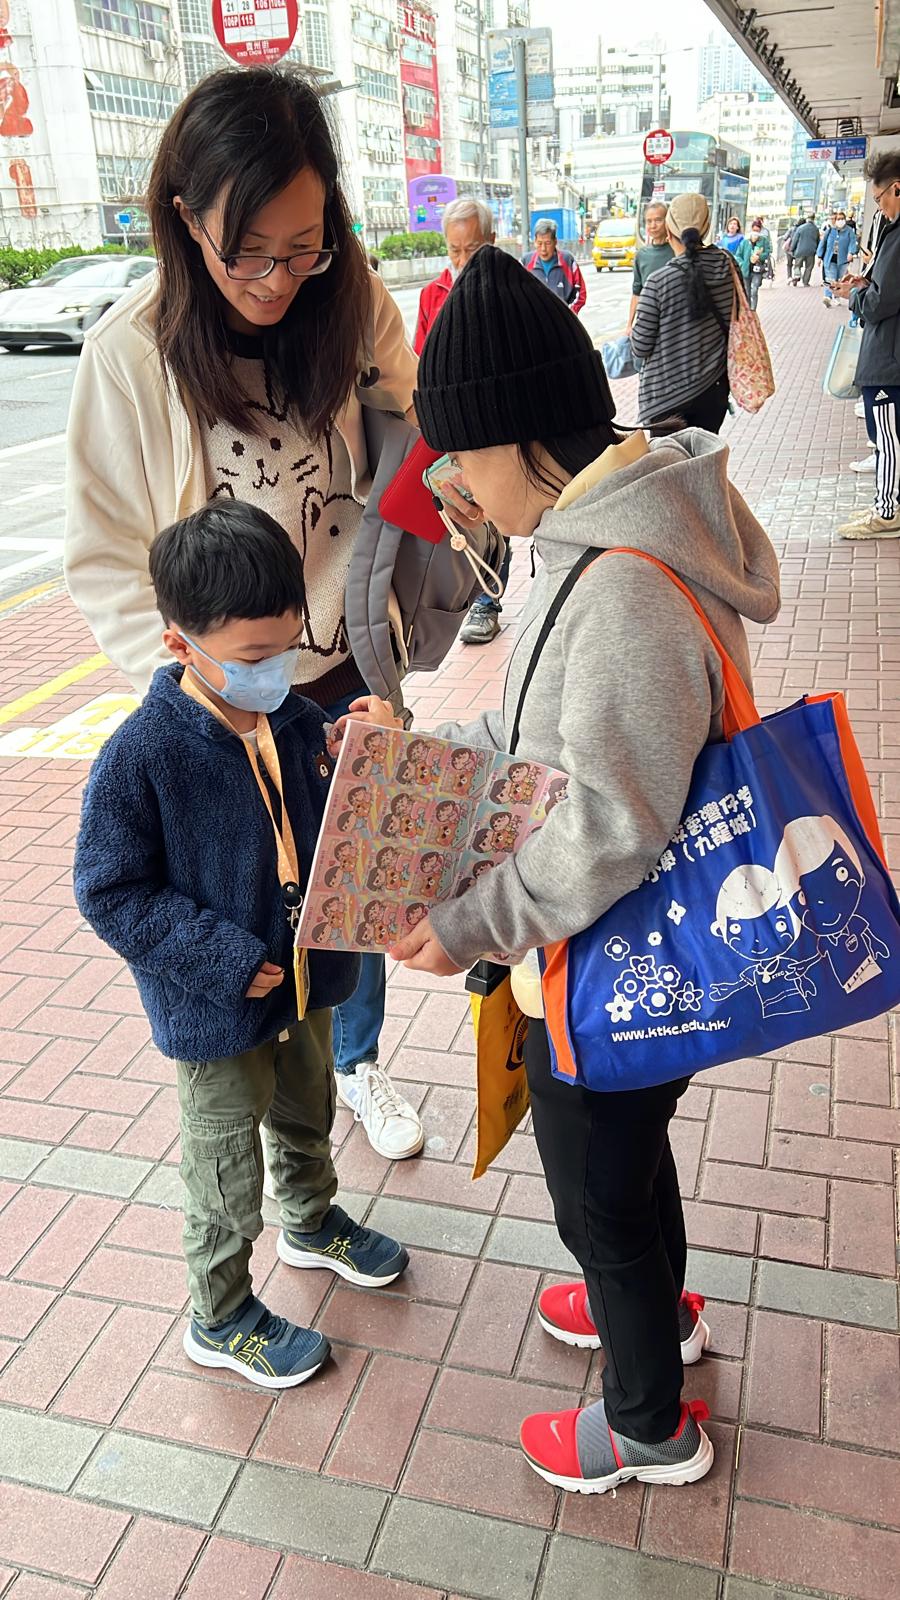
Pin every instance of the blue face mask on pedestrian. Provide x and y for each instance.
(259, 686)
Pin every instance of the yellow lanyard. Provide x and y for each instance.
(286, 849)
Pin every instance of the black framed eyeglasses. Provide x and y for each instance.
(302, 264)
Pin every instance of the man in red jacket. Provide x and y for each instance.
(468, 224)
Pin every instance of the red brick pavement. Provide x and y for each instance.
(126, 1472)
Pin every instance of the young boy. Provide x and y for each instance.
(199, 823)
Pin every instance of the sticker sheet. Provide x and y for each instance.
(412, 820)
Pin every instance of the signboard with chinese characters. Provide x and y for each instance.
(255, 33)
(659, 147)
(836, 149)
(502, 89)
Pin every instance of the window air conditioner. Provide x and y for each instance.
(153, 50)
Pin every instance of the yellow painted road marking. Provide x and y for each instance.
(29, 594)
(46, 691)
(77, 737)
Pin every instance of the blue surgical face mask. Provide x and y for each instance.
(252, 685)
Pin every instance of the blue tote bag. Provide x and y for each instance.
(769, 918)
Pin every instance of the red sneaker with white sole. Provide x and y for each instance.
(580, 1452)
(564, 1312)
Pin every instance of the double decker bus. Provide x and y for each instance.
(701, 164)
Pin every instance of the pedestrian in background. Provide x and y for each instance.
(681, 328)
(733, 237)
(557, 268)
(785, 243)
(235, 372)
(467, 225)
(804, 247)
(656, 253)
(874, 297)
(837, 250)
(753, 257)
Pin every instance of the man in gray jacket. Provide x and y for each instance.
(804, 243)
(875, 299)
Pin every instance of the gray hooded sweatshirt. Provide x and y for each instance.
(628, 689)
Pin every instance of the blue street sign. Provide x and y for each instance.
(837, 149)
(123, 219)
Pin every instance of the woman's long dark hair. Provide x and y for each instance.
(699, 300)
(248, 133)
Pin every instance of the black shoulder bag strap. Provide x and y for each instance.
(547, 626)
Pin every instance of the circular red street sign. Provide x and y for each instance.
(255, 33)
(659, 147)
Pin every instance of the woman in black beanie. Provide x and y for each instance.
(626, 693)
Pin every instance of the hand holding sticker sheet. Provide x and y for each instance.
(412, 820)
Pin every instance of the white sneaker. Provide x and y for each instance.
(867, 464)
(859, 410)
(392, 1125)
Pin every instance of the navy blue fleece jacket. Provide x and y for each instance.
(175, 868)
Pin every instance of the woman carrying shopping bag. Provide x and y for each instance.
(682, 323)
(627, 693)
(241, 368)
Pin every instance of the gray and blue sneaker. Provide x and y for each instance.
(361, 1255)
(270, 1351)
(579, 1451)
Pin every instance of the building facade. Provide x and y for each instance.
(633, 97)
(88, 86)
(723, 68)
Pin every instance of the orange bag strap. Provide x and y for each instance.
(738, 711)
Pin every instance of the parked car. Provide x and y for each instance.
(60, 313)
(62, 269)
(615, 243)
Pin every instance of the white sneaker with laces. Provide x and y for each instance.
(392, 1125)
(859, 410)
(867, 464)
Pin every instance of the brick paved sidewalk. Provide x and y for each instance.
(130, 1475)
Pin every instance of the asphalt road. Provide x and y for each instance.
(35, 390)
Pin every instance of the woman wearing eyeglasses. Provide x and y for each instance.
(239, 369)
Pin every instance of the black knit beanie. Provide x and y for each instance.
(507, 362)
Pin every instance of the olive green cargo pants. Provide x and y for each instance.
(287, 1086)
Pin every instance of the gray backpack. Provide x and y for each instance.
(405, 599)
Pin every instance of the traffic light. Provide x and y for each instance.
(582, 205)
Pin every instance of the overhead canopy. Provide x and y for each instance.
(831, 62)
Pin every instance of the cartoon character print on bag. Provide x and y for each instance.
(821, 875)
(754, 921)
(255, 465)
